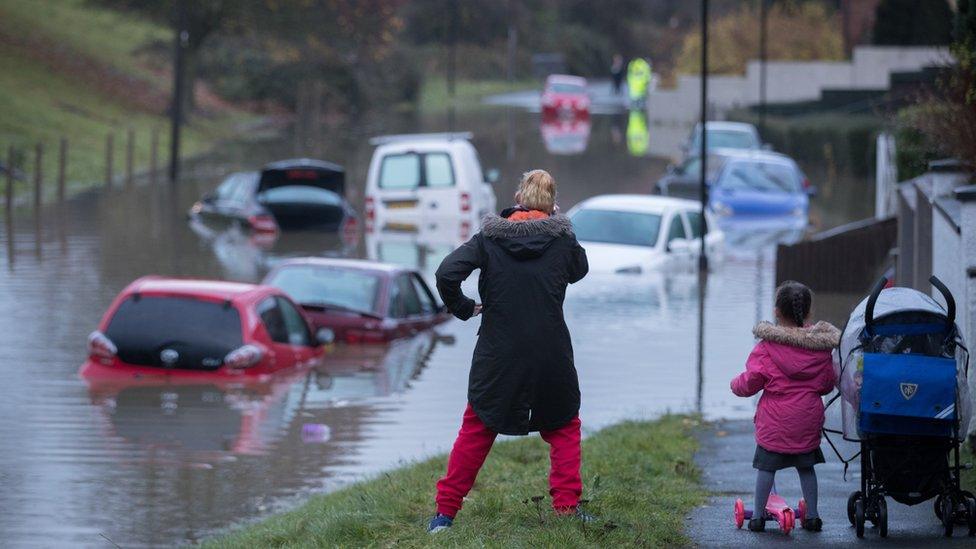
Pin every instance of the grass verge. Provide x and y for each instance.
(468, 94)
(640, 479)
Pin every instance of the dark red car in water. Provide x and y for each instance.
(565, 96)
(201, 328)
(360, 301)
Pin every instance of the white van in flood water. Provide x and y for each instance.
(421, 179)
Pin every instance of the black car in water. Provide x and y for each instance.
(298, 194)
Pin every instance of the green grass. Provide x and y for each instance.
(46, 97)
(639, 477)
(968, 476)
(468, 94)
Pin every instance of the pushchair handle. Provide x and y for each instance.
(872, 299)
(950, 302)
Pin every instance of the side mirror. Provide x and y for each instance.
(325, 336)
(811, 190)
(679, 245)
(492, 175)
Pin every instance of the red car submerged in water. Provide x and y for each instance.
(201, 329)
(565, 96)
(359, 301)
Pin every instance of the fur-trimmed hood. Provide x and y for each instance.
(822, 336)
(526, 239)
(496, 226)
(798, 352)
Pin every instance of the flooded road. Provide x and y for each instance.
(155, 465)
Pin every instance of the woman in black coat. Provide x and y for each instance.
(522, 375)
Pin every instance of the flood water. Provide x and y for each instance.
(156, 466)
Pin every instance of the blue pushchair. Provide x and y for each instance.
(902, 375)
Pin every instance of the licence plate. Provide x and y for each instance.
(400, 204)
(400, 227)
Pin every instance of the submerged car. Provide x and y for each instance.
(631, 234)
(206, 328)
(684, 180)
(761, 185)
(565, 96)
(286, 195)
(724, 135)
(359, 301)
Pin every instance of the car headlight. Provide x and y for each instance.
(722, 209)
(633, 269)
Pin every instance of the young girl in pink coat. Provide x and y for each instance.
(791, 365)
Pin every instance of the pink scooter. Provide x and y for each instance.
(776, 508)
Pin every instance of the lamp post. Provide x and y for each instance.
(181, 38)
(703, 196)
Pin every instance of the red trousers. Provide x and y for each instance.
(472, 446)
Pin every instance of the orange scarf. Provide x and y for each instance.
(527, 215)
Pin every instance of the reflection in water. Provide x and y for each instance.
(566, 135)
(638, 134)
(153, 465)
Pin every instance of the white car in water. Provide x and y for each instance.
(631, 234)
(418, 179)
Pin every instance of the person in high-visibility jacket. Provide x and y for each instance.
(638, 79)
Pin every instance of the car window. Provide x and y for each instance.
(726, 139)
(566, 88)
(695, 221)
(677, 229)
(438, 170)
(631, 228)
(227, 189)
(295, 325)
(409, 300)
(244, 190)
(400, 171)
(771, 177)
(273, 320)
(319, 285)
(300, 194)
(201, 332)
(395, 301)
(424, 296)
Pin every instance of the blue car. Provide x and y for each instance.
(760, 186)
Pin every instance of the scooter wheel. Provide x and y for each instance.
(851, 500)
(859, 517)
(739, 511)
(801, 510)
(788, 521)
(882, 521)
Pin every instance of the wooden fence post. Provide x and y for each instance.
(10, 181)
(62, 168)
(130, 139)
(153, 145)
(38, 177)
(109, 146)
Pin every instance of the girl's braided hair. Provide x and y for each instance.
(793, 301)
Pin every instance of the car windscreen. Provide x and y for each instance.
(317, 285)
(614, 227)
(405, 171)
(566, 88)
(295, 194)
(771, 177)
(726, 139)
(692, 167)
(198, 334)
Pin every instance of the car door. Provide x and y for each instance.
(677, 245)
(275, 323)
(442, 197)
(429, 309)
(303, 345)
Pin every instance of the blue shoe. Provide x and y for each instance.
(438, 523)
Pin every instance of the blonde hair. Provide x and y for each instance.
(537, 191)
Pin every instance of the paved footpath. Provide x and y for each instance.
(725, 458)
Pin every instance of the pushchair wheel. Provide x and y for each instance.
(859, 517)
(882, 520)
(938, 506)
(851, 500)
(947, 514)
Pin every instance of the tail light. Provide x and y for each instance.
(101, 347)
(806, 183)
(244, 357)
(263, 223)
(465, 202)
(465, 230)
(349, 230)
(370, 208)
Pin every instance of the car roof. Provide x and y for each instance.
(303, 163)
(191, 287)
(728, 126)
(566, 79)
(640, 203)
(350, 264)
